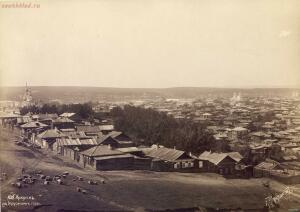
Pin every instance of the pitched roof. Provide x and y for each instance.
(101, 150)
(52, 133)
(63, 120)
(44, 116)
(164, 153)
(106, 127)
(239, 129)
(89, 129)
(68, 130)
(129, 149)
(114, 134)
(67, 115)
(114, 156)
(260, 134)
(103, 138)
(268, 164)
(33, 124)
(205, 154)
(235, 156)
(216, 158)
(74, 134)
(76, 141)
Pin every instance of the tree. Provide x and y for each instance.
(153, 127)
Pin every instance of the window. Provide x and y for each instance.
(200, 164)
(187, 164)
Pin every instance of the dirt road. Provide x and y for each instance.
(123, 190)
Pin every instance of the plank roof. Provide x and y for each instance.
(101, 150)
(33, 124)
(76, 142)
(89, 129)
(52, 133)
(164, 153)
(216, 158)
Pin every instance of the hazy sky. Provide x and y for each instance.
(144, 43)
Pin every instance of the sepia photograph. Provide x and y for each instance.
(150, 105)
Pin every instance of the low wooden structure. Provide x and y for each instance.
(105, 157)
(167, 159)
(220, 163)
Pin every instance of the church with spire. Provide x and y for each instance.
(27, 97)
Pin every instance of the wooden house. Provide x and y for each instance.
(70, 147)
(116, 140)
(94, 131)
(141, 162)
(47, 138)
(30, 129)
(47, 118)
(167, 159)
(33, 125)
(265, 168)
(220, 163)
(105, 157)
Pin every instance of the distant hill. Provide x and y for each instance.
(83, 94)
